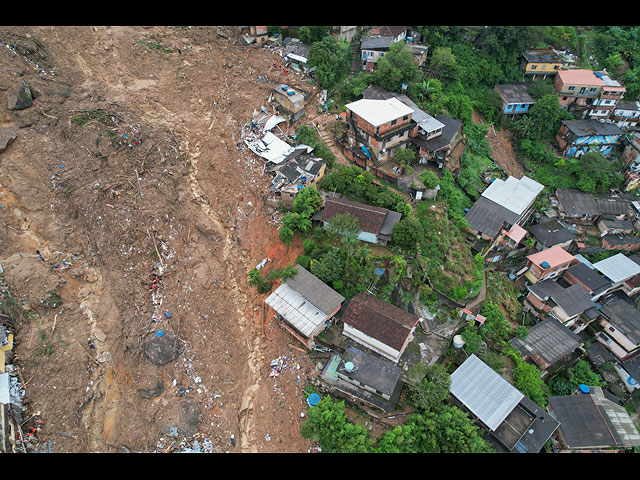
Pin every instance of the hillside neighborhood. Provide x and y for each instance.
(457, 258)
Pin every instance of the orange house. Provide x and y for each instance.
(548, 263)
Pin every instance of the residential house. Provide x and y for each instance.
(290, 102)
(437, 137)
(296, 53)
(548, 263)
(259, 33)
(503, 204)
(382, 124)
(363, 379)
(514, 422)
(590, 422)
(372, 48)
(515, 97)
(445, 148)
(301, 171)
(631, 158)
(632, 285)
(621, 241)
(541, 63)
(594, 94)
(620, 320)
(587, 208)
(626, 115)
(551, 233)
(344, 33)
(378, 325)
(418, 52)
(618, 269)
(594, 282)
(571, 305)
(376, 223)
(577, 137)
(396, 33)
(305, 305)
(378, 41)
(547, 344)
(609, 224)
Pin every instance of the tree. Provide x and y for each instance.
(443, 61)
(296, 221)
(345, 227)
(332, 61)
(408, 233)
(256, 280)
(286, 234)
(429, 179)
(546, 115)
(433, 390)
(527, 379)
(308, 201)
(329, 267)
(327, 424)
(395, 68)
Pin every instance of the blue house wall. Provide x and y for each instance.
(601, 143)
(515, 108)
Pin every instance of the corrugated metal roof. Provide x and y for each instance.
(379, 112)
(618, 268)
(485, 393)
(513, 194)
(296, 310)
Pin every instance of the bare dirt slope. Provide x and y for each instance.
(502, 150)
(129, 177)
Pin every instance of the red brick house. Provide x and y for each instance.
(382, 124)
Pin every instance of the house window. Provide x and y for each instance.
(571, 88)
(533, 67)
(393, 122)
(592, 89)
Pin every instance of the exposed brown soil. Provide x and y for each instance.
(184, 205)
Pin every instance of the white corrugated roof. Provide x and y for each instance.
(296, 310)
(485, 393)
(513, 194)
(270, 147)
(617, 268)
(379, 112)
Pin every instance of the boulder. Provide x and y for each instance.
(160, 350)
(6, 137)
(19, 97)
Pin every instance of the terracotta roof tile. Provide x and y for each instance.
(371, 218)
(380, 320)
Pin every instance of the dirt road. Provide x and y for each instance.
(128, 192)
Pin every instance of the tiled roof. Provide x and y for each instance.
(380, 320)
(580, 77)
(371, 218)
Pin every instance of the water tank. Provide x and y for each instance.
(583, 388)
(313, 399)
(544, 264)
(458, 342)
(349, 366)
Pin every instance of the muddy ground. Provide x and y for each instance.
(129, 194)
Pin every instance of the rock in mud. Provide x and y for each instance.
(19, 97)
(161, 350)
